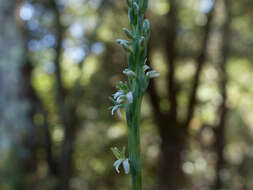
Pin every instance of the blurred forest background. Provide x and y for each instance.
(59, 64)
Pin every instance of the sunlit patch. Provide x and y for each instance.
(49, 67)
(184, 72)
(235, 152)
(77, 54)
(201, 19)
(42, 82)
(158, 62)
(152, 152)
(200, 164)
(26, 12)
(48, 41)
(34, 45)
(97, 165)
(91, 65)
(195, 124)
(77, 29)
(58, 134)
(188, 167)
(206, 5)
(97, 48)
(160, 7)
(105, 34)
(95, 3)
(116, 131)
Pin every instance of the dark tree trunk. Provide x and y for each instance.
(66, 112)
(171, 175)
(174, 133)
(171, 57)
(201, 60)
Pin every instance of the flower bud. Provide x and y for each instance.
(142, 40)
(125, 45)
(145, 68)
(136, 8)
(128, 33)
(152, 74)
(126, 166)
(129, 72)
(146, 25)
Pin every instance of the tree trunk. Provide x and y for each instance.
(171, 176)
(17, 98)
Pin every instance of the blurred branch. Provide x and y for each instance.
(200, 64)
(67, 111)
(220, 130)
(171, 56)
(66, 160)
(153, 94)
(48, 144)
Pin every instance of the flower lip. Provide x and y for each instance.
(117, 164)
(117, 94)
(129, 97)
(152, 74)
(129, 72)
(115, 108)
(126, 166)
(145, 68)
(121, 159)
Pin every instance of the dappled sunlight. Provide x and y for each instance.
(59, 63)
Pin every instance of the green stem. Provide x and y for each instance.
(133, 119)
(138, 81)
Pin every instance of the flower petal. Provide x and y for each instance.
(129, 72)
(117, 164)
(126, 166)
(119, 99)
(129, 97)
(152, 74)
(114, 109)
(117, 94)
(145, 68)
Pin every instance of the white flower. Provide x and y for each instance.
(145, 68)
(126, 166)
(129, 97)
(152, 74)
(121, 159)
(125, 45)
(115, 108)
(117, 164)
(129, 72)
(117, 94)
(119, 99)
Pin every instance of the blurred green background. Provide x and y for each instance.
(59, 63)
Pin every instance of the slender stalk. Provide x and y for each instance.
(133, 119)
(129, 95)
